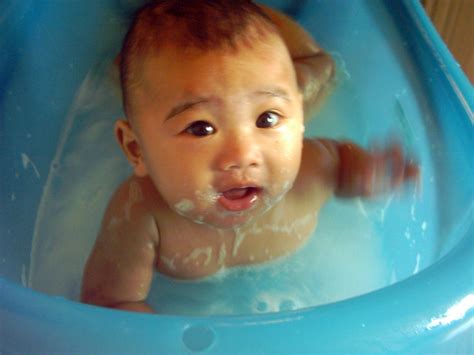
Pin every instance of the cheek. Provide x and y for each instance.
(182, 178)
(288, 147)
(286, 158)
(171, 164)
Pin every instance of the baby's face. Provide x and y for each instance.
(220, 132)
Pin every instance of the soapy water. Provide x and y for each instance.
(340, 260)
(346, 255)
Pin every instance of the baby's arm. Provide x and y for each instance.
(119, 271)
(314, 67)
(364, 173)
(355, 171)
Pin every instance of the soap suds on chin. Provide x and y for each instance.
(209, 196)
(184, 206)
(198, 220)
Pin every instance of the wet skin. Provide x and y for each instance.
(218, 175)
(222, 173)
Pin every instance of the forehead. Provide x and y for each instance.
(222, 69)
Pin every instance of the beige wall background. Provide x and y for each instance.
(454, 20)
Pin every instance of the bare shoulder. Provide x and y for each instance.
(131, 208)
(318, 168)
(133, 195)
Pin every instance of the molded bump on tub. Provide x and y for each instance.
(287, 305)
(262, 306)
(198, 338)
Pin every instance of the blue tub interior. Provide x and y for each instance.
(391, 274)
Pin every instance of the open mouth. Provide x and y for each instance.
(239, 199)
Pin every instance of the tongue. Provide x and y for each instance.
(235, 194)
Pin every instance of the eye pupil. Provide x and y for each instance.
(267, 120)
(200, 129)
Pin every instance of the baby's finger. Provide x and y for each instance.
(369, 176)
(412, 172)
(375, 170)
(397, 165)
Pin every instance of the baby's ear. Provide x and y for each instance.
(130, 146)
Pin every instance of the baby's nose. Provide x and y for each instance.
(239, 152)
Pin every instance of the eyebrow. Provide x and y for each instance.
(186, 105)
(277, 92)
(274, 92)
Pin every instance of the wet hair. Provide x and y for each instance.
(199, 24)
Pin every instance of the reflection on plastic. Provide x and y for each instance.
(454, 313)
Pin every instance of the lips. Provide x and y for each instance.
(240, 198)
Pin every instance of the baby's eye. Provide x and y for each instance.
(268, 119)
(200, 129)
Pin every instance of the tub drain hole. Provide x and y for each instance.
(198, 337)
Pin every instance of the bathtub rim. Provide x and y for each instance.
(27, 306)
(411, 309)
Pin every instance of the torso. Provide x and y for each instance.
(188, 250)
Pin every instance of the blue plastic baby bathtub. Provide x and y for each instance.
(392, 67)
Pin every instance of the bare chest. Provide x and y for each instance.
(188, 250)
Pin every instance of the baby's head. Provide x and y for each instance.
(215, 116)
(200, 25)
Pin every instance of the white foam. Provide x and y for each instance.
(169, 262)
(238, 239)
(222, 255)
(197, 253)
(208, 196)
(184, 206)
(26, 161)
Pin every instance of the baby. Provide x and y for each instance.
(215, 93)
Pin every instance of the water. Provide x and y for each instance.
(85, 171)
(341, 260)
(353, 251)
(359, 245)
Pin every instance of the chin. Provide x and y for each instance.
(241, 212)
(228, 222)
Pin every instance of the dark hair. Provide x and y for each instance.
(201, 24)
